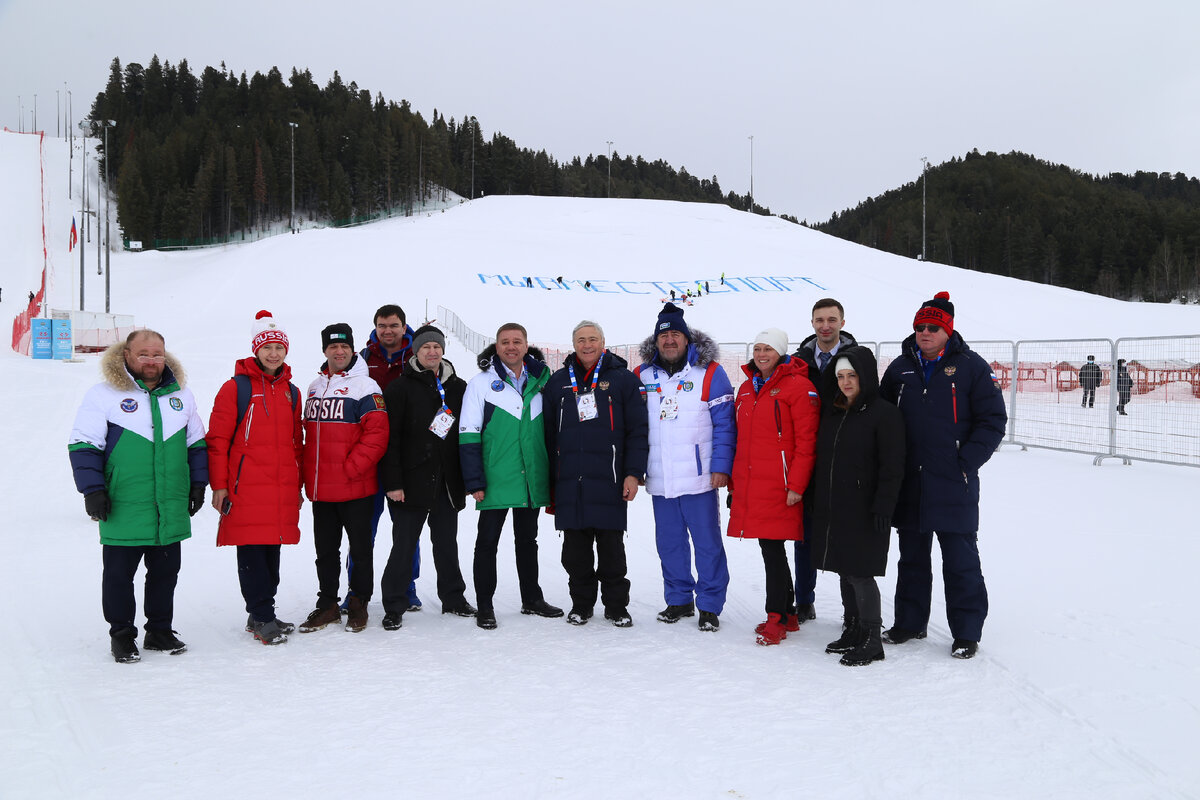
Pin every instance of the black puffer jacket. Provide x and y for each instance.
(860, 467)
(417, 458)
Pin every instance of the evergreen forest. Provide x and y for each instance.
(208, 157)
(1133, 237)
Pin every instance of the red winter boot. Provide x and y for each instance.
(773, 631)
(793, 624)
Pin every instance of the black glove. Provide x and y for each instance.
(883, 524)
(97, 505)
(729, 499)
(196, 499)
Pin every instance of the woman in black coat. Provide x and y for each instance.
(856, 481)
(422, 475)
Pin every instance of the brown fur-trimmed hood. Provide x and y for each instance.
(116, 374)
(701, 345)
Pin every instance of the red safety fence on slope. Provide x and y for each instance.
(22, 322)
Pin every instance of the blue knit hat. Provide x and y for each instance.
(671, 319)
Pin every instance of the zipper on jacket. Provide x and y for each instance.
(832, 463)
(249, 419)
(779, 436)
(900, 395)
(238, 477)
(614, 462)
(954, 400)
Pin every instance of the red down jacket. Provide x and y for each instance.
(776, 449)
(259, 463)
(345, 434)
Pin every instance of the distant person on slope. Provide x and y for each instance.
(860, 465)
(345, 435)
(255, 456)
(596, 440)
(689, 407)
(1090, 378)
(502, 444)
(954, 419)
(138, 457)
(388, 347)
(777, 411)
(422, 475)
(818, 351)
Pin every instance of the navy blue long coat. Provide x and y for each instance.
(589, 460)
(953, 423)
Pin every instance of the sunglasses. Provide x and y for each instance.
(930, 328)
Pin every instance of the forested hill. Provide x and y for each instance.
(202, 157)
(1126, 236)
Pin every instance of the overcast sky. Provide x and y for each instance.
(842, 99)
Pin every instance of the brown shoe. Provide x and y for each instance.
(356, 615)
(319, 618)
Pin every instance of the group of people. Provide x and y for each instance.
(812, 447)
(1091, 377)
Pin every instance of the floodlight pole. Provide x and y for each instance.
(751, 174)
(609, 168)
(292, 220)
(108, 123)
(924, 167)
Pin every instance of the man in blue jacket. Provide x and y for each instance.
(596, 441)
(689, 407)
(954, 420)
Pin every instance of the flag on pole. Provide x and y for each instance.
(74, 236)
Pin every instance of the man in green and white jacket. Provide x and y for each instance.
(502, 448)
(138, 457)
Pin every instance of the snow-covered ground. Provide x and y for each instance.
(1085, 684)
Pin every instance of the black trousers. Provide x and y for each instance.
(329, 520)
(258, 574)
(1089, 396)
(604, 570)
(162, 573)
(860, 599)
(525, 531)
(407, 522)
(780, 588)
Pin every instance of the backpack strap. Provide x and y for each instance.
(244, 390)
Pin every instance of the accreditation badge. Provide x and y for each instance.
(442, 424)
(586, 403)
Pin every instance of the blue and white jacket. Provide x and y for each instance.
(700, 440)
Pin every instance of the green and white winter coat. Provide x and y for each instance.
(501, 439)
(146, 447)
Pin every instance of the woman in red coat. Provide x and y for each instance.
(778, 412)
(255, 449)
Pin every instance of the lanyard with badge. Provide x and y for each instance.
(444, 420)
(586, 403)
(668, 407)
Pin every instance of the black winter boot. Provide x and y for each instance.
(868, 650)
(852, 634)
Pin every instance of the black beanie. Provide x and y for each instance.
(671, 319)
(426, 334)
(338, 332)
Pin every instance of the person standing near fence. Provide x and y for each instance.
(1124, 387)
(345, 436)
(954, 419)
(255, 452)
(138, 457)
(502, 445)
(689, 404)
(596, 438)
(388, 347)
(818, 351)
(1090, 378)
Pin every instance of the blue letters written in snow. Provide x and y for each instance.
(749, 283)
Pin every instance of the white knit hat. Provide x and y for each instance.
(265, 329)
(843, 363)
(773, 338)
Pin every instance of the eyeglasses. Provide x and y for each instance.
(150, 359)
(930, 328)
